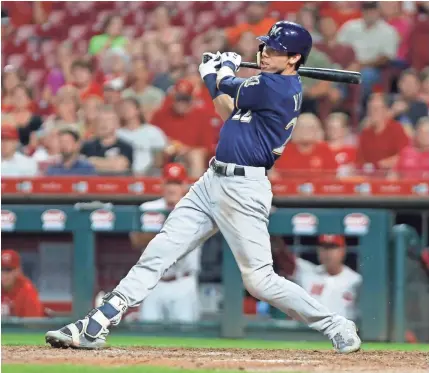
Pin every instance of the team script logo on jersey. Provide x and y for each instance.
(253, 80)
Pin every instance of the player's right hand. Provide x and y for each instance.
(232, 60)
(210, 64)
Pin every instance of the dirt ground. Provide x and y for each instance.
(246, 360)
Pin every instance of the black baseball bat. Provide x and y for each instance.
(331, 75)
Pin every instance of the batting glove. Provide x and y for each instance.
(231, 60)
(210, 64)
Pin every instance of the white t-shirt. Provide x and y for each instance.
(339, 293)
(19, 165)
(153, 222)
(145, 140)
(381, 39)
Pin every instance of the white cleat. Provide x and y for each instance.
(73, 335)
(346, 340)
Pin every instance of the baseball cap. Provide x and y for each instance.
(332, 240)
(10, 259)
(114, 84)
(9, 133)
(174, 172)
(183, 90)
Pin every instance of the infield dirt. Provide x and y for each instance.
(241, 359)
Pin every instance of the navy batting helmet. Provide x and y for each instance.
(290, 37)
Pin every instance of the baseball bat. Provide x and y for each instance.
(331, 75)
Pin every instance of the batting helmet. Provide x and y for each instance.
(290, 37)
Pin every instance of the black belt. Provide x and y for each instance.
(220, 169)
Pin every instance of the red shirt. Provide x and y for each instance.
(94, 89)
(319, 159)
(22, 300)
(345, 155)
(413, 163)
(190, 129)
(373, 146)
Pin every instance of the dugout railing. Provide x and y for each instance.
(371, 228)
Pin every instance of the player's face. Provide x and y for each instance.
(331, 258)
(173, 192)
(273, 61)
(8, 277)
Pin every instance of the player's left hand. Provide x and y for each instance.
(232, 60)
(210, 64)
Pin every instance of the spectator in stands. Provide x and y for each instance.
(339, 141)
(177, 65)
(163, 31)
(14, 163)
(11, 78)
(23, 114)
(71, 162)
(61, 73)
(112, 92)
(19, 296)
(28, 13)
(246, 47)
(424, 79)
(110, 38)
(84, 80)
(383, 138)
(116, 64)
(317, 93)
(6, 25)
(339, 53)
(419, 55)
(256, 22)
(186, 128)
(341, 11)
(91, 108)
(407, 107)
(413, 160)
(393, 13)
(48, 150)
(148, 141)
(107, 153)
(306, 16)
(306, 155)
(149, 97)
(332, 283)
(66, 111)
(374, 41)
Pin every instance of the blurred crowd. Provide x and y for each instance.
(112, 88)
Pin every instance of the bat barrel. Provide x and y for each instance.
(331, 75)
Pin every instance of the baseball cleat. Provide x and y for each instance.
(346, 339)
(74, 336)
(90, 333)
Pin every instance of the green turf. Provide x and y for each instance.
(119, 340)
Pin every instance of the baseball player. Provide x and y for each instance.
(332, 283)
(175, 298)
(234, 195)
